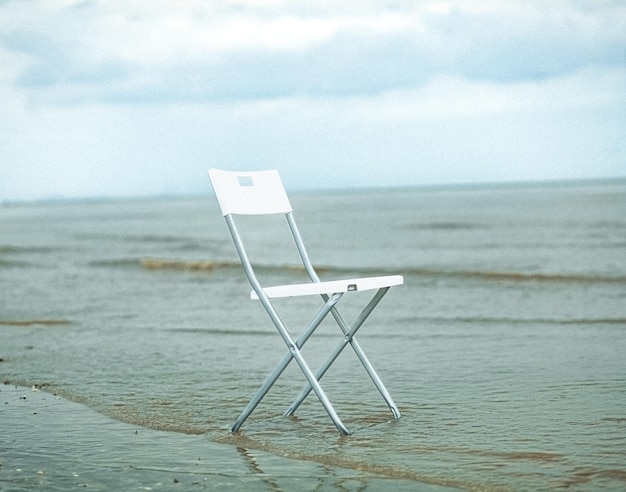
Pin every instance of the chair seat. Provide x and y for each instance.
(330, 287)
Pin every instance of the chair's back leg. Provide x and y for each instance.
(304, 367)
(368, 366)
(304, 256)
(342, 324)
(349, 338)
(282, 365)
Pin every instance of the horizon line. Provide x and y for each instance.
(531, 183)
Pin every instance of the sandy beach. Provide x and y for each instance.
(49, 443)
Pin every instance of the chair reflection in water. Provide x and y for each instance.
(260, 193)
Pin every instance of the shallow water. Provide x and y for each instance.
(53, 445)
(504, 348)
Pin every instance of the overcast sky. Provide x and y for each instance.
(141, 97)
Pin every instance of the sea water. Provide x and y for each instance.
(504, 349)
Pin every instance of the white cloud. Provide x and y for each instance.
(140, 97)
(453, 97)
(168, 51)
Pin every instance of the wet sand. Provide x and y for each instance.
(49, 443)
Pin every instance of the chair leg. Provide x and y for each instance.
(375, 379)
(365, 361)
(319, 392)
(318, 375)
(294, 352)
(349, 333)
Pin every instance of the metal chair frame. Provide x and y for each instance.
(262, 192)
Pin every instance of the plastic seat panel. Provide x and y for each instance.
(331, 287)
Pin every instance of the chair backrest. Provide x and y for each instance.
(255, 193)
(249, 193)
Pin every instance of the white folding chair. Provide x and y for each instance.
(262, 192)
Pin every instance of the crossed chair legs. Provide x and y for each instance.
(313, 378)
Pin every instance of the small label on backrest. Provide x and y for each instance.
(245, 180)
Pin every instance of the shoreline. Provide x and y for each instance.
(54, 444)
